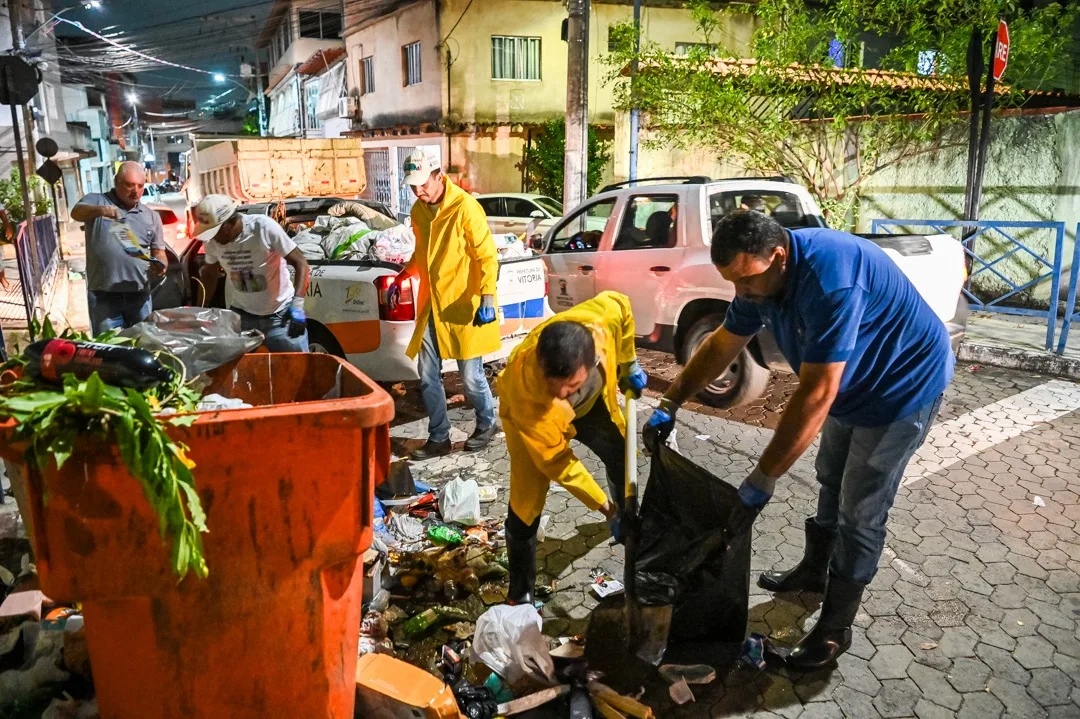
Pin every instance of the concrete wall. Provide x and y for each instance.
(1032, 175)
(301, 49)
(392, 104)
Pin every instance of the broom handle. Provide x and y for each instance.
(630, 505)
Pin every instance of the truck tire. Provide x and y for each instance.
(322, 341)
(744, 381)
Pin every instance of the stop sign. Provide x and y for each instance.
(1001, 50)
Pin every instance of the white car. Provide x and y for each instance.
(512, 213)
(651, 243)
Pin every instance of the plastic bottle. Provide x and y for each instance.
(116, 365)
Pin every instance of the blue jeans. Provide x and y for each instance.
(117, 310)
(275, 328)
(859, 469)
(431, 388)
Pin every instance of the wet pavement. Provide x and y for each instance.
(975, 610)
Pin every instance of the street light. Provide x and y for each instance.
(133, 98)
(218, 77)
(92, 4)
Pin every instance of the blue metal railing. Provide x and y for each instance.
(1070, 303)
(1049, 267)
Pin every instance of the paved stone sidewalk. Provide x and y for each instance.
(975, 611)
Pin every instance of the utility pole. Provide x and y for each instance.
(576, 165)
(634, 112)
(258, 77)
(18, 42)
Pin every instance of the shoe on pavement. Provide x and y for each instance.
(431, 449)
(831, 636)
(810, 574)
(480, 439)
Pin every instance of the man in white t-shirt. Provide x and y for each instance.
(255, 253)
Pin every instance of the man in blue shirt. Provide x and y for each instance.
(873, 360)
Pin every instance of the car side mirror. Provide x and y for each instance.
(537, 214)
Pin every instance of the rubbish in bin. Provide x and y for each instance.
(753, 653)
(49, 421)
(215, 403)
(50, 360)
(606, 710)
(459, 502)
(202, 338)
(509, 641)
(373, 635)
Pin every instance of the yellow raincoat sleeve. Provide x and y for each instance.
(550, 453)
(480, 247)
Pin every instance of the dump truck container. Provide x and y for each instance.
(288, 489)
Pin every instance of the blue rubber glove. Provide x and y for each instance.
(296, 318)
(632, 379)
(485, 313)
(660, 425)
(754, 493)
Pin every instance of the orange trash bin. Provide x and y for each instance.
(288, 488)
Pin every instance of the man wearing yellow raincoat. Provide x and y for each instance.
(561, 383)
(458, 266)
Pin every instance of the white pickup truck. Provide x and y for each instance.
(650, 240)
(346, 306)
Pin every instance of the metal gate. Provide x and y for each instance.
(377, 166)
(406, 198)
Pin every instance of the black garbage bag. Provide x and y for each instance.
(686, 558)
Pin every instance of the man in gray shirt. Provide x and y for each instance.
(125, 249)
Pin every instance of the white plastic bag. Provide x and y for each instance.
(459, 501)
(509, 642)
(203, 338)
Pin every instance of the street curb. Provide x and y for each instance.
(1019, 359)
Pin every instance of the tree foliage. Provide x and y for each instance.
(12, 200)
(544, 163)
(805, 108)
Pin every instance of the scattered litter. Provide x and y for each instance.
(927, 646)
(614, 700)
(373, 635)
(406, 528)
(6, 577)
(974, 368)
(1019, 623)
(753, 651)
(690, 673)
(680, 693)
(568, 649)
(509, 641)
(532, 701)
(489, 493)
(459, 502)
(442, 534)
(1039, 501)
(702, 437)
(541, 529)
(604, 587)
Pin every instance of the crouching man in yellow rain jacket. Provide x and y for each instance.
(560, 384)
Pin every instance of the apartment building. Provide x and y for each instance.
(472, 80)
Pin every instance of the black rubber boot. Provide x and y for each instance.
(831, 636)
(431, 449)
(521, 556)
(809, 574)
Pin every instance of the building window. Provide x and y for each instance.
(515, 58)
(321, 25)
(311, 104)
(684, 48)
(367, 75)
(410, 64)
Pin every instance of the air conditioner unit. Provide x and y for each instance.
(349, 107)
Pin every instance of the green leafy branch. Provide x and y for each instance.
(50, 420)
